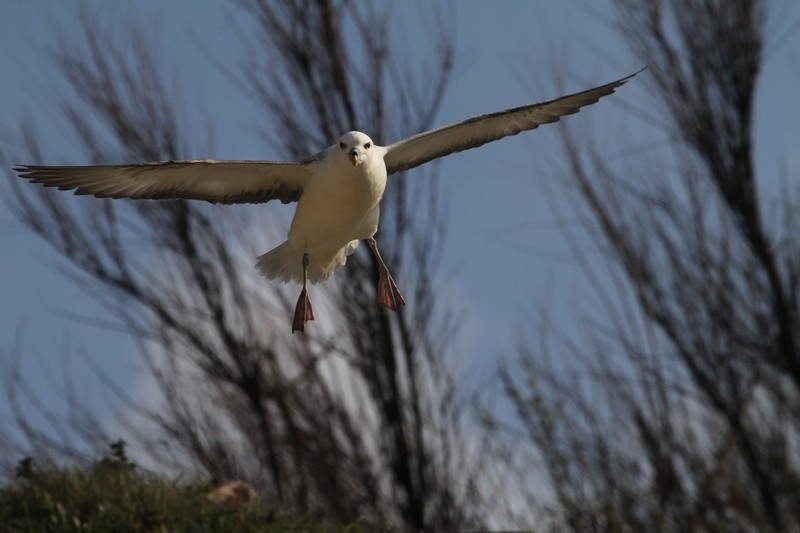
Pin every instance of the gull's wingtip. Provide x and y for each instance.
(23, 170)
(31, 172)
(614, 85)
(626, 78)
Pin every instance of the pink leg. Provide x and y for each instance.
(303, 312)
(388, 293)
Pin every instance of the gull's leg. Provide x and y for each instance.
(303, 312)
(388, 293)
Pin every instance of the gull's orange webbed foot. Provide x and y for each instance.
(303, 312)
(388, 294)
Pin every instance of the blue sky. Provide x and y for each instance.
(504, 258)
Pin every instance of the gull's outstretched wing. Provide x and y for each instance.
(227, 182)
(476, 131)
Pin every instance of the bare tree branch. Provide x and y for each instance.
(358, 421)
(679, 410)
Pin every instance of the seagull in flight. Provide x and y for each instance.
(338, 191)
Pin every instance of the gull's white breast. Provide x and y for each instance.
(338, 208)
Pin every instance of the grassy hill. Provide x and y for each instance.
(113, 494)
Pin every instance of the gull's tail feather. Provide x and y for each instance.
(285, 263)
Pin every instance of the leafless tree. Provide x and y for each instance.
(679, 409)
(357, 421)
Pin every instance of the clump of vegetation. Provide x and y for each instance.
(114, 494)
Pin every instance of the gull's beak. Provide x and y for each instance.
(354, 157)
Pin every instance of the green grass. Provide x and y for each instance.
(112, 494)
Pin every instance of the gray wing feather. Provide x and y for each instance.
(476, 131)
(228, 182)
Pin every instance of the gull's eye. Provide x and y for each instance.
(367, 145)
(342, 145)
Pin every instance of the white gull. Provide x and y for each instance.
(338, 190)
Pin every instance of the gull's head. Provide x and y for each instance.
(356, 146)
